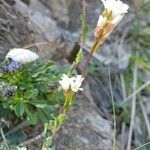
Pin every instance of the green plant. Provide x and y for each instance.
(36, 92)
(37, 97)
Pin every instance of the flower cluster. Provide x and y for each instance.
(72, 83)
(112, 15)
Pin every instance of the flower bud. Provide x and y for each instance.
(112, 15)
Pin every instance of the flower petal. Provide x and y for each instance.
(116, 6)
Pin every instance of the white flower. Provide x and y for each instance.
(76, 83)
(22, 148)
(101, 21)
(117, 7)
(21, 55)
(112, 15)
(65, 82)
(117, 19)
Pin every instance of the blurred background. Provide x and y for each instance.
(120, 70)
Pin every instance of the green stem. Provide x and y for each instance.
(94, 48)
(68, 101)
(74, 65)
(114, 113)
(60, 119)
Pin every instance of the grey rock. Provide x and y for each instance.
(59, 10)
(85, 128)
(14, 30)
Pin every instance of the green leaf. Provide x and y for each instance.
(42, 117)
(23, 86)
(49, 64)
(59, 121)
(79, 56)
(36, 84)
(44, 114)
(32, 118)
(41, 105)
(19, 109)
(31, 93)
(48, 142)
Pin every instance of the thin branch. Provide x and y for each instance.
(7, 123)
(39, 44)
(33, 140)
(136, 92)
(84, 18)
(84, 8)
(4, 139)
(89, 56)
(148, 143)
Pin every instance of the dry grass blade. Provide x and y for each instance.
(133, 111)
(40, 44)
(146, 118)
(123, 139)
(114, 112)
(123, 86)
(148, 143)
(136, 92)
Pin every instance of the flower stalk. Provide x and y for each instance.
(70, 86)
(111, 16)
(68, 101)
(95, 46)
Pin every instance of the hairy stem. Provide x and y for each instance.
(93, 49)
(68, 101)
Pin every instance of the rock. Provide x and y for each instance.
(59, 11)
(14, 30)
(22, 8)
(85, 128)
(43, 26)
(40, 17)
(10, 2)
(53, 27)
